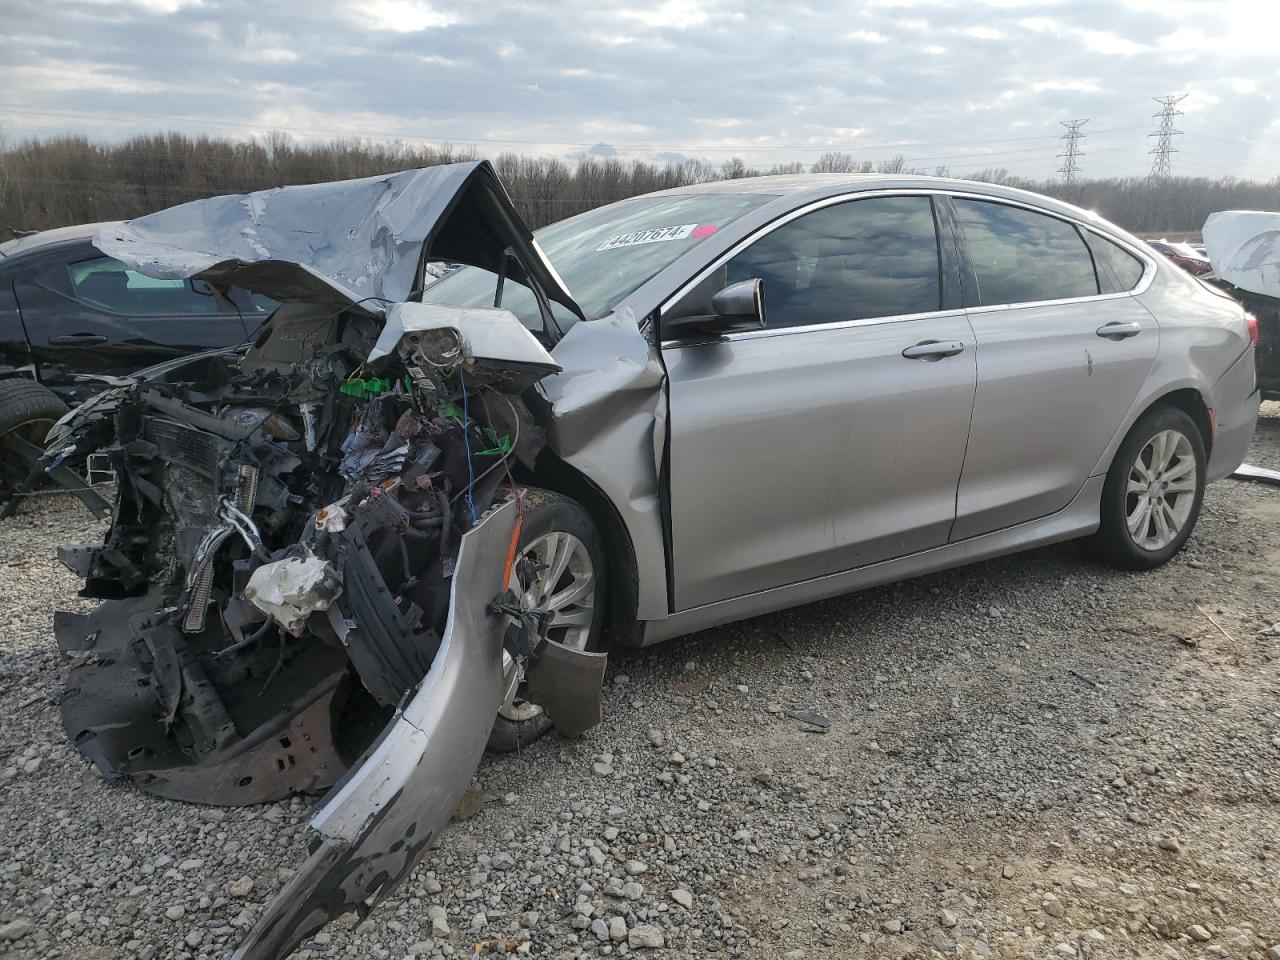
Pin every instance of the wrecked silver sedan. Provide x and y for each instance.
(401, 522)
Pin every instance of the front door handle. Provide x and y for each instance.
(933, 350)
(1118, 330)
(77, 340)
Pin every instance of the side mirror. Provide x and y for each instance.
(737, 307)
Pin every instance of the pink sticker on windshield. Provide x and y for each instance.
(706, 230)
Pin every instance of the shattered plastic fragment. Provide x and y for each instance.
(290, 590)
(810, 717)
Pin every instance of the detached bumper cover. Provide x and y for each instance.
(379, 821)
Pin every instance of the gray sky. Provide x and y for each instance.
(973, 84)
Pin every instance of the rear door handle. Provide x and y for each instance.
(933, 349)
(1119, 331)
(77, 340)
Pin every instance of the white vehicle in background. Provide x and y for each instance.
(1244, 246)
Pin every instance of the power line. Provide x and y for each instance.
(1163, 151)
(1071, 153)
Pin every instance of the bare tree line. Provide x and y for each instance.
(51, 182)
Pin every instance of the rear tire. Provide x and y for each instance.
(1152, 494)
(27, 410)
(553, 515)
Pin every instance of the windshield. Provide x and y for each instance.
(604, 254)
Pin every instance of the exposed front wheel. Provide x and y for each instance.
(1152, 494)
(559, 570)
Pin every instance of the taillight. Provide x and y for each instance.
(1251, 323)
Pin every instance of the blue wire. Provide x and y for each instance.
(466, 442)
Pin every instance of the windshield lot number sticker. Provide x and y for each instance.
(652, 235)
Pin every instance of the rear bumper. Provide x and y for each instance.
(1235, 410)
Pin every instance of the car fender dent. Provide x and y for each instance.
(378, 822)
(608, 421)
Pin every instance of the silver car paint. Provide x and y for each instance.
(798, 452)
(1052, 392)
(607, 418)
(1201, 336)
(1078, 518)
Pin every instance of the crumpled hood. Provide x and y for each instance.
(354, 241)
(1244, 248)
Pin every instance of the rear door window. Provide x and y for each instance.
(852, 261)
(1020, 256)
(1118, 270)
(107, 284)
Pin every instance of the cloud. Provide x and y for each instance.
(673, 79)
(399, 16)
(1080, 86)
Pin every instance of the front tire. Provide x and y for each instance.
(570, 583)
(1152, 494)
(28, 410)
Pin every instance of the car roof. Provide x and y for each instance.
(46, 238)
(797, 189)
(784, 184)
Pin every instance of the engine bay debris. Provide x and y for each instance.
(301, 585)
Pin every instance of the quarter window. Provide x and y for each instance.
(1020, 256)
(1118, 270)
(853, 261)
(107, 283)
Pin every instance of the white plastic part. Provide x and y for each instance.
(290, 590)
(487, 333)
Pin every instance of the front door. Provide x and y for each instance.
(1062, 352)
(834, 437)
(87, 313)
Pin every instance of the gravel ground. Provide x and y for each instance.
(1031, 757)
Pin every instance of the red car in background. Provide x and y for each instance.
(1184, 255)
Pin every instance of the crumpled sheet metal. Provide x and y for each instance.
(608, 418)
(358, 241)
(1244, 248)
(487, 333)
(378, 822)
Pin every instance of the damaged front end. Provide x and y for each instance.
(306, 577)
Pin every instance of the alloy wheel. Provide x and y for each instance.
(1161, 490)
(553, 575)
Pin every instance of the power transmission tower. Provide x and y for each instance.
(1164, 149)
(1071, 152)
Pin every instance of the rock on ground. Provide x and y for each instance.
(1013, 772)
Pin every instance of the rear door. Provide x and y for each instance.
(1062, 351)
(834, 437)
(87, 313)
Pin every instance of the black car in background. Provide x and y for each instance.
(71, 317)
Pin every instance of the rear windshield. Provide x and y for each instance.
(604, 254)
